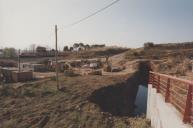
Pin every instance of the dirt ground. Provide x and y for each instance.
(88, 101)
(40, 105)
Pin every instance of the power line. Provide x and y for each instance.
(92, 14)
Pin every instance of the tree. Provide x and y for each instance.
(9, 52)
(87, 46)
(71, 48)
(81, 44)
(75, 45)
(65, 48)
(148, 45)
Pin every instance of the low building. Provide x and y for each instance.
(33, 67)
(22, 76)
(13, 75)
(6, 74)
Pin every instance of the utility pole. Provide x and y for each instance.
(56, 56)
(19, 60)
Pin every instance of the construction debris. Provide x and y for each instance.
(117, 69)
(90, 72)
(70, 73)
(95, 72)
(107, 68)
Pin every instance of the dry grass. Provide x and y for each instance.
(41, 105)
(169, 61)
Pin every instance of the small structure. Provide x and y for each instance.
(33, 67)
(13, 75)
(6, 74)
(22, 76)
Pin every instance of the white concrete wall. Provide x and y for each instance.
(161, 114)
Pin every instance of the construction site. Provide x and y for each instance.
(103, 91)
(80, 81)
(96, 64)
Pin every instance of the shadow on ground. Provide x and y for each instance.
(119, 99)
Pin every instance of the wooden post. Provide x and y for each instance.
(56, 56)
(188, 111)
(167, 96)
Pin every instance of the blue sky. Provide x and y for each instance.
(128, 23)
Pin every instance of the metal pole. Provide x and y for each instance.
(56, 55)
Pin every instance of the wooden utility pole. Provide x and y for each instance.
(19, 60)
(56, 56)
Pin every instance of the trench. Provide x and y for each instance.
(125, 99)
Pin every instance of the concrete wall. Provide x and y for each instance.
(161, 114)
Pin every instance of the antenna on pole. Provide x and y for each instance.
(56, 55)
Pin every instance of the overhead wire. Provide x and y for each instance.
(92, 14)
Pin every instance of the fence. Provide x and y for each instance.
(176, 91)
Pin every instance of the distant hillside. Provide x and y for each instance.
(174, 58)
(184, 45)
(98, 52)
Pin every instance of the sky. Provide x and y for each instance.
(129, 23)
